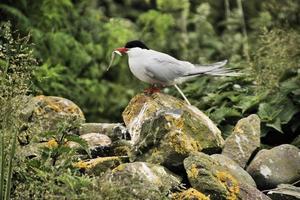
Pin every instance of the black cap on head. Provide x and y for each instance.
(136, 43)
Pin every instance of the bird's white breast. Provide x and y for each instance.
(138, 61)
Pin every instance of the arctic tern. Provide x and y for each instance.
(161, 69)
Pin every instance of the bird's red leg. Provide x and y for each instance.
(152, 89)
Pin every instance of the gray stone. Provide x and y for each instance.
(139, 180)
(285, 192)
(278, 165)
(48, 114)
(165, 130)
(114, 130)
(31, 150)
(247, 192)
(244, 140)
(99, 144)
(233, 168)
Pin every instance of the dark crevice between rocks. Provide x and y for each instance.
(103, 151)
(252, 156)
(275, 138)
(212, 150)
(180, 171)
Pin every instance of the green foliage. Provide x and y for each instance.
(74, 40)
(51, 174)
(270, 89)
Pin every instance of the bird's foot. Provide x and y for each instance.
(152, 90)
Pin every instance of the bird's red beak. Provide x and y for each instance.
(122, 49)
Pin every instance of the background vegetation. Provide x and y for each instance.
(71, 41)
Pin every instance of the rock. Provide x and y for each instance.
(31, 150)
(248, 192)
(121, 148)
(97, 166)
(244, 140)
(115, 131)
(220, 178)
(138, 180)
(207, 176)
(285, 192)
(99, 144)
(48, 113)
(278, 165)
(233, 168)
(190, 194)
(165, 130)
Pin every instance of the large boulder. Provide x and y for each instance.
(48, 113)
(207, 176)
(233, 168)
(220, 178)
(244, 140)
(165, 130)
(278, 165)
(138, 180)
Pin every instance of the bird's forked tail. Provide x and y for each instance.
(215, 69)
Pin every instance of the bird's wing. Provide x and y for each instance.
(165, 68)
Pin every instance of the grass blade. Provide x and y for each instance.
(2, 161)
(10, 166)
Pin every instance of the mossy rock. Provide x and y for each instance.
(244, 140)
(48, 114)
(165, 130)
(138, 180)
(207, 176)
(231, 166)
(218, 180)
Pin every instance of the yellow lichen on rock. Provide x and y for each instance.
(192, 172)
(238, 129)
(230, 183)
(119, 168)
(81, 165)
(56, 104)
(94, 162)
(190, 194)
(52, 144)
(182, 143)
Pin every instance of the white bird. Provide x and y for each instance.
(161, 69)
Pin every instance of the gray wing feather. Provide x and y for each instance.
(171, 70)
